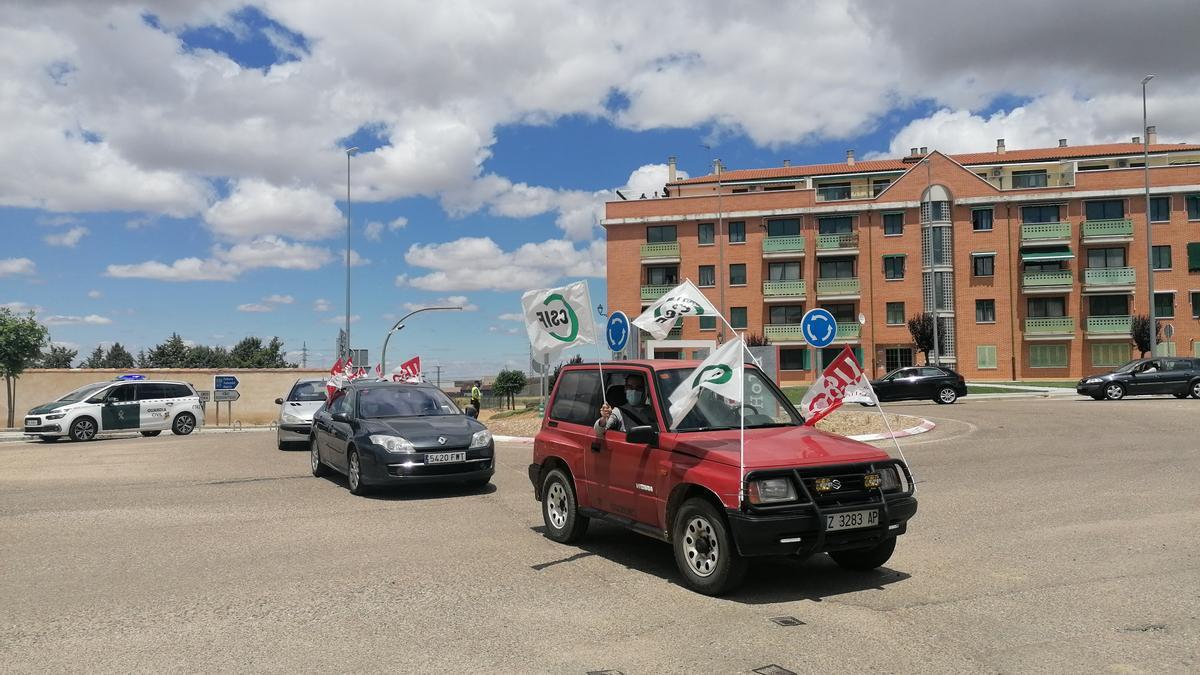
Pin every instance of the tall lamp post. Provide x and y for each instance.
(396, 328)
(349, 153)
(1149, 232)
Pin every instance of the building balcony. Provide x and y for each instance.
(848, 331)
(785, 290)
(1045, 233)
(1033, 181)
(1047, 282)
(843, 193)
(1050, 327)
(1109, 326)
(661, 252)
(1108, 278)
(837, 243)
(783, 246)
(1100, 231)
(652, 293)
(838, 288)
(783, 333)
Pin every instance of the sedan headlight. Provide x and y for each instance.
(772, 490)
(480, 439)
(56, 416)
(289, 418)
(1093, 380)
(393, 443)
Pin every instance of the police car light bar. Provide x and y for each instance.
(131, 377)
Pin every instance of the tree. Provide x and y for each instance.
(170, 354)
(59, 357)
(1140, 330)
(118, 357)
(250, 352)
(554, 376)
(756, 340)
(920, 326)
(202, 356)
(21, 343)
(96, 359)
(508, 383)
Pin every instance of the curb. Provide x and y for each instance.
(513, 439)
(921, 428)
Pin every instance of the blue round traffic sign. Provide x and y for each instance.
(617, 331)
(819, 327)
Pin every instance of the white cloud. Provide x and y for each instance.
(321, 305)
(356, 260)
(184, 269)
(13, 266)
(478, 263)
(228, 263)
(451, 301)
(279, 299)
(95, 295)
(255, 307)
(65, 344)
(340, 320)
(505, 331)
(21, 307)
(512, 316)
(256, 208)
(69, 238)
(373, 230)
(66, 320)
(56, 221)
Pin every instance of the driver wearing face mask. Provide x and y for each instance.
(635, 412)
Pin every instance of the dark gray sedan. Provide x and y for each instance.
(1159, 375)
(385, 433)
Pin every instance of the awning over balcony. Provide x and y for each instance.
(1046, 254)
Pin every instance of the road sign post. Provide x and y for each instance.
(617, 332)
(820, 330)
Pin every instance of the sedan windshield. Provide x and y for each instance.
(308, 391)
(84, 392)
(404, 402)
(1128, 367)
(764, 406)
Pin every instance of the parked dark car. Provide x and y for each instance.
(391, 433)
(1159, 375)
(921, 383)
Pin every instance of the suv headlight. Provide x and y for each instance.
(771, 490)
(480, 439)
(889, 479)
(393, 443)
(289, 418)
(56, 416)
(1093, 380)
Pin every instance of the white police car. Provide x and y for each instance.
(148, 406)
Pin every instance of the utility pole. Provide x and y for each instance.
(438, 370)
(1149, 228)
(304, 355)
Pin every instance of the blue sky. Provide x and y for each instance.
(161, 148)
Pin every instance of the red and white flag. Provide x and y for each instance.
(409, 371)
(843, 381)
(337, 378)
(379, 371)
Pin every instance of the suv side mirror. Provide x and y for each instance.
(645, 434)
(341, 417)
(278, 401)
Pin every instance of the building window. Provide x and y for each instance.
(834, 191)
(985, 311)
(835, 225)
(793, 358)
(1162, 257)
(836, 268)
(708, 322)
(1030, 179)
(1042, 213)
(737, 232)
(1047, 356)
(783, 271)
(1040, 308)
(737, 274)
(786, 227)
(1110, 353)
(1105, 209)
(893, 267)
(708, 275)
(1194, 256)
(1193, 207)
(981, 220)
(1108, 305)
(737, 317)
(1196, 307)
(1160, 209)
(897, 357)
(1106, 257)
(657, 234)
(704, 233)
(879, 186)
(984, 265)
(662, 276)
(895, 314)
(1164, 305)
(985, 357)
(893, 224)
(786, 315)
(843, 312)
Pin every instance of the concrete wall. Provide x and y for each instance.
(258, 388)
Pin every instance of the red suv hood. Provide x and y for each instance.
(777, 447)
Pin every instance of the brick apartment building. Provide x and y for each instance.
(1034, 260)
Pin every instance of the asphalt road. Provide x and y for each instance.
(1053, 536)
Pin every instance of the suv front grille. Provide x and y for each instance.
(850, 486)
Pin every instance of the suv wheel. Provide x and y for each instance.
(560, 509)
(83, 429)
(863, 559)
(314, 458)
(184, 424)
(1114, 391)
(946, 395)
(704, 550)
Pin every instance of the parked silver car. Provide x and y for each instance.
(296, 411)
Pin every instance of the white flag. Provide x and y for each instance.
(721, 372)
(683, 300)
(557, 318)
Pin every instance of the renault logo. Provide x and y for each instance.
(441, 440)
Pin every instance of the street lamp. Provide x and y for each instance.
(399, 325)
(1149, 232)
(349, 153)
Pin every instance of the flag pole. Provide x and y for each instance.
(892, 434)
(742, 427)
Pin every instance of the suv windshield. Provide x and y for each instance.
(308, 391)
(765, 407)
(84, 392)
(404, 402)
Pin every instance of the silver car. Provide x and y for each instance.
(296, 411)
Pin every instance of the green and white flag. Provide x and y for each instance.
(721, 372)
(683, 300)
(557, 318)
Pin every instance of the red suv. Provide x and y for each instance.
(805, 491)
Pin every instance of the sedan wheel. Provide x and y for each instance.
(314, 458)
(1196, 389)
(1114, 392)
(354, 474)
(947, 395)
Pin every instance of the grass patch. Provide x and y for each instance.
(795, 394)
(513, 413)
(984, 389)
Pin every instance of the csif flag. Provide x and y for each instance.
(720, 373)
(409, 371)
(683, 300)
(557, 318)
(338, 377)
(842, 382)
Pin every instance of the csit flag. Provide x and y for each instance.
(842, 382)
(557, 318)
(721, 373)
(683, 300)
